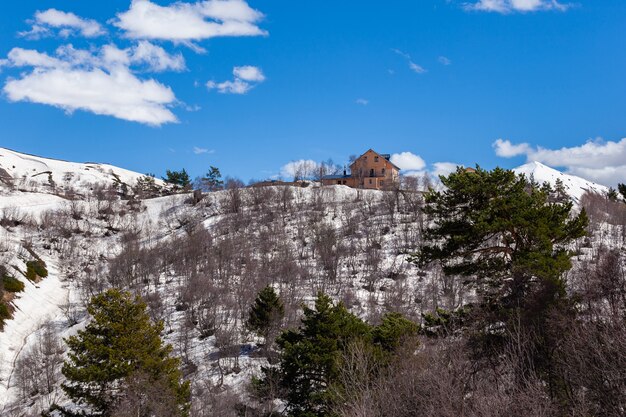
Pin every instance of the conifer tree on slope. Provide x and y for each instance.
(312, 356)
(119, 344)
(266, 314)
(502, 234)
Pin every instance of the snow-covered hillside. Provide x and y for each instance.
(21, 170)
(575, 186)
(205, 259)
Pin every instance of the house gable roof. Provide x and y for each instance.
(387, 157)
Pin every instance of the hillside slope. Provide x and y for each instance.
(19, 170)
(200, 265)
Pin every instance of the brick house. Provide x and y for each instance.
(371, 170)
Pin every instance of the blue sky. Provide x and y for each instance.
(493, 82)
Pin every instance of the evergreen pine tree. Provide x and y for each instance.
(177, 178)
(559, 193)
(612, 194)
(512, 246)
(212, 181)
(393, 331)
(312, 361)
(312, 356)
(119, 343)
(266, 314)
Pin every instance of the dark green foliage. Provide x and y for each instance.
(212, 181)
(146, 187)
(4, 311)
(444, 323)
(36, 268)
(491, 226)
(266, 313)
(612, 194)
(119, 344)
(507, 240)
(394, 330)
(12, 284)
(312, 356)
(559, 193)
(177, 178)
(4, 314)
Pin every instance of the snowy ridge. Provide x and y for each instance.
(575, 186)
(19, 170)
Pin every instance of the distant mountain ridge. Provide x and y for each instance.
(19, 168)
(575, 186)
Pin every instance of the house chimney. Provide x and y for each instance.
(345, 172)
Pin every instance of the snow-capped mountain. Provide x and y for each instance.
(575, 186)
(19, 170)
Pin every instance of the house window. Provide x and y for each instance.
(370, 181)
(382, 183)
(383, 171)
(339, 182)
(371, 172)
(375, 159)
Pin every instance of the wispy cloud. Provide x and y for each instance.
(156, 58)
(199, 151)
(444, 60)
(249, 73)
(362, 101)
(597, 160)
(245, 79)
(512, 6)
(416, 68)
(51, 21)
(412, 65)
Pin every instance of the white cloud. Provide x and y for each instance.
(506, 149)
(412, 65)
(408, 161)
(596, 160)
(511, 6)
(118, 94)
(229, 87)
(444, 60)
(245, 79)
(362, 101)
(78, 80)
(199, 151)
(67, 24)
(416, 68)
(186, 22)
(19, 57)
(303, 168)
(156, 58)
(249, 73)
(444, 168)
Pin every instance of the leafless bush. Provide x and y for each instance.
(37, 371)
(13, 217)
